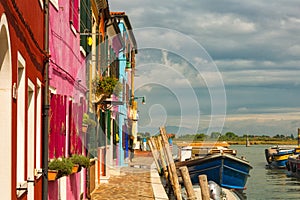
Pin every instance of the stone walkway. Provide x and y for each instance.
(132, 182)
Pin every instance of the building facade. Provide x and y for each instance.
(126, 68)
(86, 43)
(67, 78)
(21, 90)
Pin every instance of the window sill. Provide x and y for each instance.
(73, 29)
(55, 4)
(82, 51)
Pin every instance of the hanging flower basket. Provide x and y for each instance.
(106, 86)
(86, 122)
(52, 174)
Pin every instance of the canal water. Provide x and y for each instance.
(267, 183)
(264, 183)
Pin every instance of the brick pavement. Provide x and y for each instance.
(132, 182)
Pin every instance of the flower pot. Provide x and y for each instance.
(84, 128)
(52, 174)
(75, 169)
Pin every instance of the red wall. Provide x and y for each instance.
(26, 28)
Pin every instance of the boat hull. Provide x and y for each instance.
(224, 169)
(293, 166)
(279, 161)
(277, 157)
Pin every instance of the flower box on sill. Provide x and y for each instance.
(52, 174)
(75, 169)
(80, 160)
(84, 128)
(63, 166)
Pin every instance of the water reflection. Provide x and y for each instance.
(267, 183)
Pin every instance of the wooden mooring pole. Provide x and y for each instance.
(187, 183)
(298, 137)
(155, 156)
(162, 157)
(172, 167)
(204, 187)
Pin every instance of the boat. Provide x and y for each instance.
(277, 156)
(226, 170)
(192, 152)
(248, 144)
(293, 165)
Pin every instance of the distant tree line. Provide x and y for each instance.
(230, 136)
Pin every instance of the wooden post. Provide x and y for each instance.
(298, 137)
(173, 171)
(204, 187)
(161, 157)
(165, 158)
(155, 156)
(187, 183)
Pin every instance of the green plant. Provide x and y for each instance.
(80, 160)
(86, 120)
(106, 86)
(62, 165)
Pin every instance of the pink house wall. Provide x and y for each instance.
(67, 67)
(67, 78)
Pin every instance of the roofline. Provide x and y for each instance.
(122, 15)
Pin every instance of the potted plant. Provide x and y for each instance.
(63, 166)
(75, 169)
(106, 86)
(81, 160)
(86, 122)
(52, 175)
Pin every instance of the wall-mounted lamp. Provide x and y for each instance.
(90, 40)
(128, 67)
(143, 99)
(128, 64)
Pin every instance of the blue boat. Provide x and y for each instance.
(277, 156)
(224, 169)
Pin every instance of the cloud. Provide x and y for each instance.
(261, 77)
(254, 44)
(242, 109)
(229, 23)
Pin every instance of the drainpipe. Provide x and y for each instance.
(46, 103)
(134, 103)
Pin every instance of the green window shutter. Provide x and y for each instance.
(108, 117)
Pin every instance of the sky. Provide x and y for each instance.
(217, 65)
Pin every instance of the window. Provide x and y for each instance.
(74, 14)
(21, 120)
(30, 137)
(38, 125)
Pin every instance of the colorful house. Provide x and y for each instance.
(82, 47)
(67, 75)
(106, 67)
(126, 69)
(112, 49)
(21, 93)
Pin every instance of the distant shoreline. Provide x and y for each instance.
(290, 142)
(252, 142)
